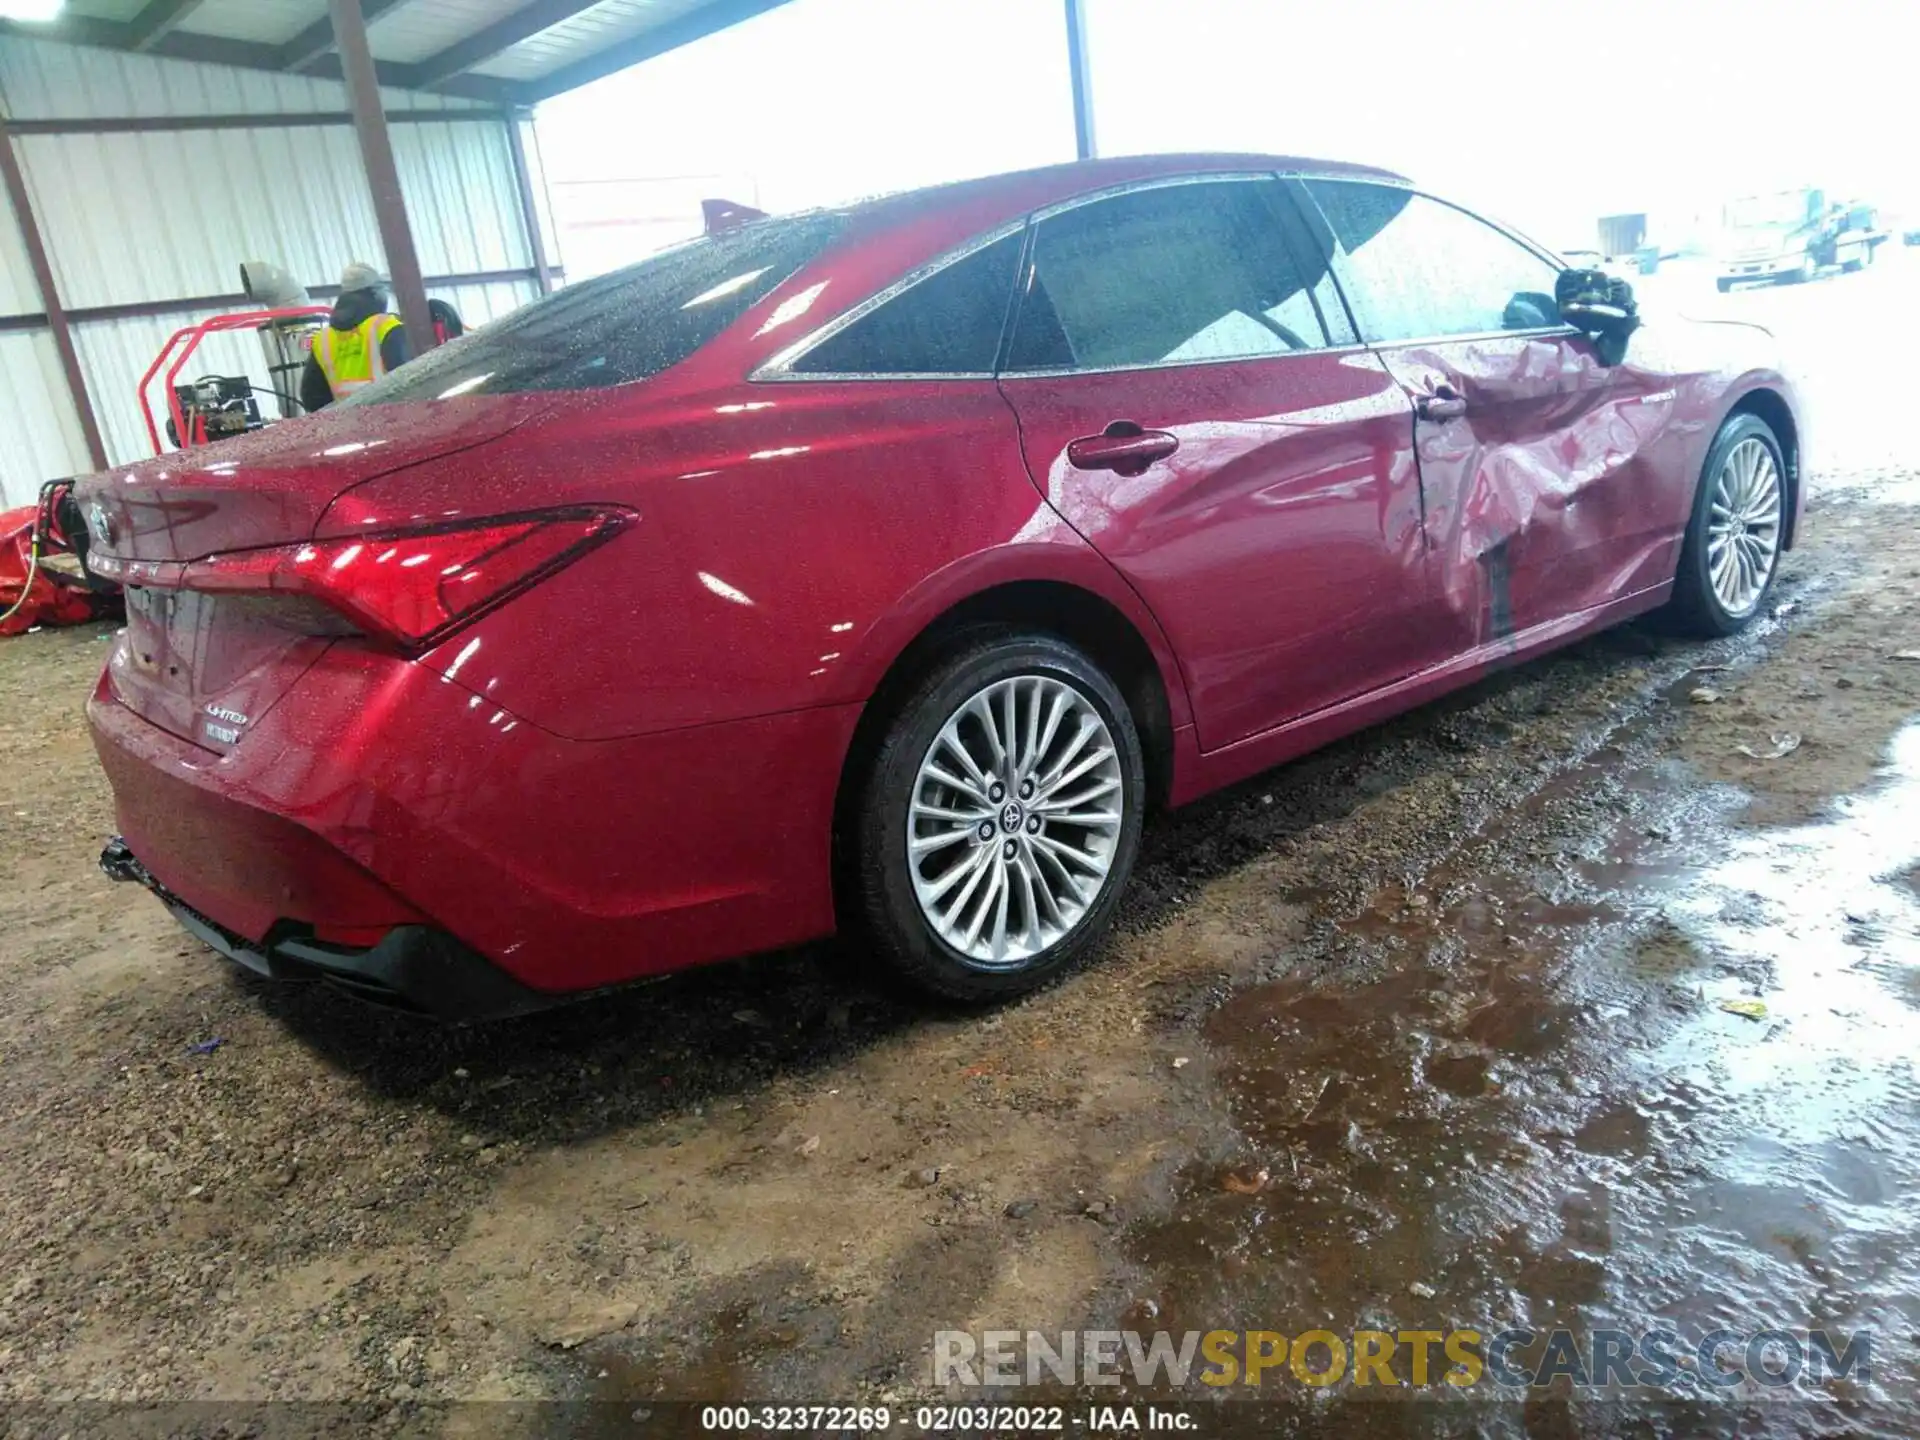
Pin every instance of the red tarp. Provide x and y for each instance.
(53, 600)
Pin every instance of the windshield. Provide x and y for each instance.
(1789, 207)
(626, 325)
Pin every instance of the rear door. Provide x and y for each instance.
(1539, 501)
(1192, 402)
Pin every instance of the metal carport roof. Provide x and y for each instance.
(493, 59)
(505, 52)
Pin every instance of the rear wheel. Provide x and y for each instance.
(1000, 819)
(1732, 549)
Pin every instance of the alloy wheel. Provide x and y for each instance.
(1014, 820)
(1743, 527)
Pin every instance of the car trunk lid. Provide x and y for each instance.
(268, 488)
(206, 666)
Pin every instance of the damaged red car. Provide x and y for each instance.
(878, 569)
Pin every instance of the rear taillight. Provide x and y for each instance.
(412, 586)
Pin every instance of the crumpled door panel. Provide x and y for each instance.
(1551, 493)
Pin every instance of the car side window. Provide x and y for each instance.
(948, 323)
(1163, 276)
(1417, 267)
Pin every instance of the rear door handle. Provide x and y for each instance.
(1122, 447)
(1443, 403)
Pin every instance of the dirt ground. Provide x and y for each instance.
(1424, 1028)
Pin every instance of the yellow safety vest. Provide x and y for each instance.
(350, 359)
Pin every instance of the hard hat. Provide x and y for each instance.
(361, 276)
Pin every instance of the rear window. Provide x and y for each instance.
(946, 324)
(627, 325)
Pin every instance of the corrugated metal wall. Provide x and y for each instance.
(134, 218)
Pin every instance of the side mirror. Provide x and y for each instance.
(1600, 304)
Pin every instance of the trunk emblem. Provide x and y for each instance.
(100, 523)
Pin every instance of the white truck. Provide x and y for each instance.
(1794, 235)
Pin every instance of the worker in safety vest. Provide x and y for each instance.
(361, 341)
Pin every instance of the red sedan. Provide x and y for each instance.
(877, 569)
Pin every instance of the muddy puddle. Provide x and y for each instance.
(1536, 1110)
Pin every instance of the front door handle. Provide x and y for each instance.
(1123, 447)
(1443, 403)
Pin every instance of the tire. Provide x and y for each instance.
(1723, 285)
(1036, 671)
(1700, 606)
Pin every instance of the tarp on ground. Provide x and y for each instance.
(54, 597)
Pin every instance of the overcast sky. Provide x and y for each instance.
(1546, 113)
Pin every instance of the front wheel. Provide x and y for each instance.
(1000, 819)
(1732, 549)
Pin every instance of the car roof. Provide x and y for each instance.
(1021, 190)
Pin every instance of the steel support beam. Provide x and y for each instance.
(296, 120)
(316, 41)
(1082, 74)
(157, 19)
(529, 207)
(16, 184)
(383, 177)
(202, 304)
(505, 33)
(250, 55)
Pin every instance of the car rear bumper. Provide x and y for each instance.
(411, 967)
(378, 799)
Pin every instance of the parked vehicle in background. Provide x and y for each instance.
(1792, 235)
(875, 570)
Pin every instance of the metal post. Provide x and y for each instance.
(529, 211)
(50, 297)
(1082, 74)
(383, 178)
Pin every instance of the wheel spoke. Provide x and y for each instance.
(1088, 819)
(940, 812)
(950, 742)
(1029, 905)
(999, 873)
(1053, 783)
(949, 878)
(1058, 709)
(967, 788)
(1010, 734)
(1030, 756)
(1067, 880)
(927, 844)
(1000, 910)
(1037, 886)
(981, 863)
(983, 712)
(1061, 851)
(1055, 802)
(1074, 747)
(1721, 565)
